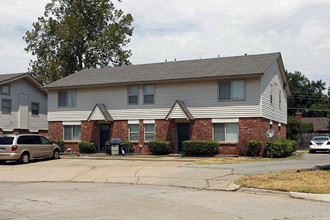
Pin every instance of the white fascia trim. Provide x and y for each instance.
(149, 121)
(133, 122)
(225, 120)
(71, 122)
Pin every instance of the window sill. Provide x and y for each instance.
(230, 100)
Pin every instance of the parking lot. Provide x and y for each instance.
(161, 173)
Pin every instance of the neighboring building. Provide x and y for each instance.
(23, 104)
(231, 100)
(320, 124)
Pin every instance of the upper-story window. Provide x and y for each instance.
(232, 90)
(133, 95)
(271, 94)
(5, 89)
(148, 94)
(6, 106)
(67, 99)
(35, 108)
(279, 99)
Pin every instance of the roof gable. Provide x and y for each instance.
(100, 113)
(7, 78)
(178, 111)
(179, 70)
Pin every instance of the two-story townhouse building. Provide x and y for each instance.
(23, 104)
(231, 100)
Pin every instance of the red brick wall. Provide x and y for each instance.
(119, 129)
(90, 131)
(201, 129)
(55, 130)
(165, 130)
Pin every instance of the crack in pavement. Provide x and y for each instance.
(91, 168)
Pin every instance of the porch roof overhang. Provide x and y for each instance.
(179, 111)
(100, 113)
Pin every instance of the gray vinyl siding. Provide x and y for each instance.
(10, 122)
(273, 112)
(201, 98)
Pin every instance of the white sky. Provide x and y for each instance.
(193, 29)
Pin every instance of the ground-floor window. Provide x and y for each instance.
(134, 132)
(225, 132)
(72, 132)
(149, 132)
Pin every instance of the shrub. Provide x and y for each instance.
(282, 148)
(128, 147)
(160, 147)
(200, 148)
(254, 148)
(86, 147)
(59, 143)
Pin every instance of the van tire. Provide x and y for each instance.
(25, 158)
(56, 154)
(2, 161)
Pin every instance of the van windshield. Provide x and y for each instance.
(6, 140)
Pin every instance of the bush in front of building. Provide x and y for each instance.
(254, 148)
(160, 147)
(128, 147)
(200, 148)
(86, 147)
(60, 143)
(280, 149)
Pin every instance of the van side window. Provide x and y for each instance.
(29, 140)
(44, 140)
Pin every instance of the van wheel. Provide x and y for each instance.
(311, 151)
(25, 158)
(2, 161)
(56, 154)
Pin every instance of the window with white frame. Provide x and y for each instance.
(148, 94)
(35, 108)
(72, 132)
(6, 106)
(133, 132)
(225, 132)
(232, 90)
(67, 99)
(149, 132)
(133, 95)
(279, 99)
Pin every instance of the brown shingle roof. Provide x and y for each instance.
(179, 70)
(320, 124)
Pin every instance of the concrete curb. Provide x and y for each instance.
(126, 158)
(296, 195)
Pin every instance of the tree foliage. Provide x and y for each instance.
(77, 34)
(296, 128)
(306, 95)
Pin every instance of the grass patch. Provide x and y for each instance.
(230, 160)
(307, 181)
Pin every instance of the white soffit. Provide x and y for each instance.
(225, 120)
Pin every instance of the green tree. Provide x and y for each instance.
(78, 34)
(296, 127)
(306, 95)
